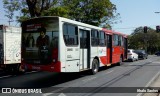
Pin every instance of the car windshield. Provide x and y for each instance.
(128, 51)
(139, 51)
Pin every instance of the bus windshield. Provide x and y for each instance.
(39, 40)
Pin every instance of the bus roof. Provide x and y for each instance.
(81, 24)
(111, 32)
(68, 21)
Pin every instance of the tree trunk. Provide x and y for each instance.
(31, 6)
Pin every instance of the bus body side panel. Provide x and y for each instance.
(69, 55)
(108, 56)
(116, 54)
(94, 53)
(102, 55)
(72, 59)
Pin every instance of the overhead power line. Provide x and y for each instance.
(125, 28)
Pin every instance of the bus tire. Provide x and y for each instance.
(95, 66)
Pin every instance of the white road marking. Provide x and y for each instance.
(31, 72)
(150, 82)
(85, 80)
(89, 79)
(92, 78)
(56, 91)
(109, 72)
(155, 62)
(47, 94)
(134, 63)
(6, 76)
(62, 94)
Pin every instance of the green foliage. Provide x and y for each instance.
(36, 7)
(10, 7)
(56, 11)
(95, 12)
(140, 40)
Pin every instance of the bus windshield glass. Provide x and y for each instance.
(39, 40)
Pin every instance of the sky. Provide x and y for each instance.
(133, 13)
(136, 13)
(3, 19)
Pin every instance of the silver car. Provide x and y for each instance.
(132, 56)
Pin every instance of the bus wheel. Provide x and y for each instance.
(120, 61)
(12, 69)
(95, 66)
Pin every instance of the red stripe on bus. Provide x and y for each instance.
(103, 59)
(54, 67)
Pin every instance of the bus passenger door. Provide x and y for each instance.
(109, 49)
(125, 48)
(84, 49)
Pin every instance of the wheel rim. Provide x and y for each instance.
(120, 60)
(95, 69)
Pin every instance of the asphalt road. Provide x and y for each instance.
(110, 81)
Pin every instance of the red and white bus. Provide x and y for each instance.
(58, 44)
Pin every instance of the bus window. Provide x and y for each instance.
(119, 40)
(102, 39)
(70, 34)
(40, 40)
(94, 37)
(122, 40)
(115, 38)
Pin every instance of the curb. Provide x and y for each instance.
(155, 83)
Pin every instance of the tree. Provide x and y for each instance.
(95, 12)
(140, 40)
(36, 7)
(10, 7)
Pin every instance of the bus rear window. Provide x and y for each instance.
(40, 38)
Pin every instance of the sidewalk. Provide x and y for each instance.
(155, 83)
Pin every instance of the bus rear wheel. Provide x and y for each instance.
(95, 66)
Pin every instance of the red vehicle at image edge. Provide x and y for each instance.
(57, 44)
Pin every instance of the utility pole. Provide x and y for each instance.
(145, 29)
(10, 21)
(146, 45)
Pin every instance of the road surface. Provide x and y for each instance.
(110, 81)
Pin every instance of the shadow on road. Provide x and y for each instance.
(42, 79)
